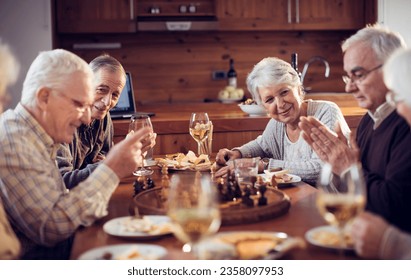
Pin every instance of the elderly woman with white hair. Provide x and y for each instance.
(373, 236)
(275, 85)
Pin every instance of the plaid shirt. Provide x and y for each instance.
(39, 206)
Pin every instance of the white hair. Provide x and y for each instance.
(9, 68)
(50, 69)
(397, 74)
(379, 38)
(271, 71)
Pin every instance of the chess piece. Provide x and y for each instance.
(246, 199)
(149, 183)
(237, 190)
(138, 186)
(221, 190)
(262, 188)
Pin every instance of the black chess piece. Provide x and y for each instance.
(138, 186)
(221, 191)
(262, 200)
(237, 189)
(149, 183)
(246, 199)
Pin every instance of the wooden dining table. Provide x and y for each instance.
(301, 217)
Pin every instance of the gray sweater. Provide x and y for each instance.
(273, 143)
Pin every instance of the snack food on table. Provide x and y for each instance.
(328, 238)
(188, 161)
(281, 178)
(251, 245)
(249, 101)
(145, 225)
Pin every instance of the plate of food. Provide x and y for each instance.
(125, 252)
(147, 228)
(282, 178)
(246, 245)
(328, 237)
(189, 161)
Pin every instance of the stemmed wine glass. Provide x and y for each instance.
(137, 122)
(341, 198)
(200, 127)
(193, 209)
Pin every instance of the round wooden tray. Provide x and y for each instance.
(152, 202)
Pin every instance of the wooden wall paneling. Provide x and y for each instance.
(176, 67)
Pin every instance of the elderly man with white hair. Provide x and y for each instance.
(373, 236)
(383, 136)
(56, 99)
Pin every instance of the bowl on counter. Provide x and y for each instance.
(253, 109)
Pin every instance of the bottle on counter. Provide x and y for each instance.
(232, 75)
(294, 63)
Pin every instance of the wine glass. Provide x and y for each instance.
(341, 198)
(193, 209)
(137, 122)
(200, 127)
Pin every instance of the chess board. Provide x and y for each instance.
(153, 202)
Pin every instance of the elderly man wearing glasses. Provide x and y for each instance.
(383, 137)
(57, 98)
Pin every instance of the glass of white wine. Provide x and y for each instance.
(193, 209)
(200, 127)
(137, 122)
(341, 198)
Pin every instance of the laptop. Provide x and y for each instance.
(125, 107)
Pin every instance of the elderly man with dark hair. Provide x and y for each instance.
(383, 136)
(92, 141)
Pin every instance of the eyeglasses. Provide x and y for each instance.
(80, 107)
(393, 98)
(358, 74)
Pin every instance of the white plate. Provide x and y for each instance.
(294, 178)
(125, 251)
(118, 227)
(230, 100)
(150, 162)
(216, 248)
(313, 237)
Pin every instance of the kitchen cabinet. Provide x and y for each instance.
(328, 14)
(175, 8)
(176, 15)
(95, 16)
(291, 14)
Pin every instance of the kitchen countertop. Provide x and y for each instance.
(173, 118)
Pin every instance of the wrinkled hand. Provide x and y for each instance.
(367, 231)
(225, 155)
(125, 156)
(331, 147)
(99, 158)
(225, 170)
